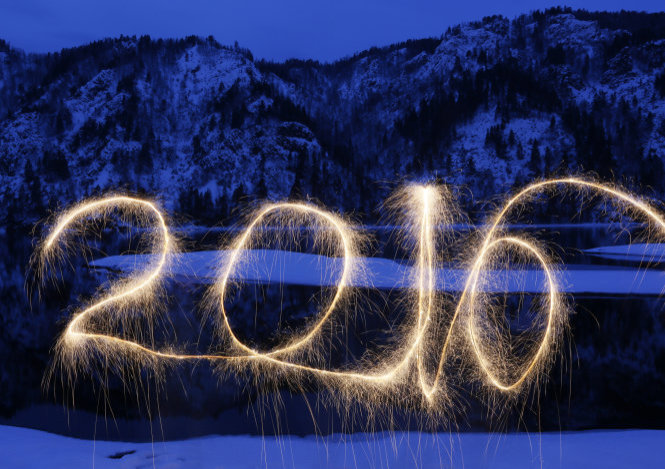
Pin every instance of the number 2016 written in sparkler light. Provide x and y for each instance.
(415, 368)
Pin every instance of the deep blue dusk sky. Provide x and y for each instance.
(274, 29)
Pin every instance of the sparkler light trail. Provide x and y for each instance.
(416, 369)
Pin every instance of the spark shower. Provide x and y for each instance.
(445, 339)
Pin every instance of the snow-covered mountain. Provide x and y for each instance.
(488, 104)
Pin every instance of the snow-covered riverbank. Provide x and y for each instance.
(313, 270)
(27, 448)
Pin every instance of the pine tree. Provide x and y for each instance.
(549, 160)
(144, 163)
(34, 187)
(261, 190)
(535, 161)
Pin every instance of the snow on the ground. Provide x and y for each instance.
(27, 448)
(314, 270)
(638, 252)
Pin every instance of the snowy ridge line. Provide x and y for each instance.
(317, 270)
